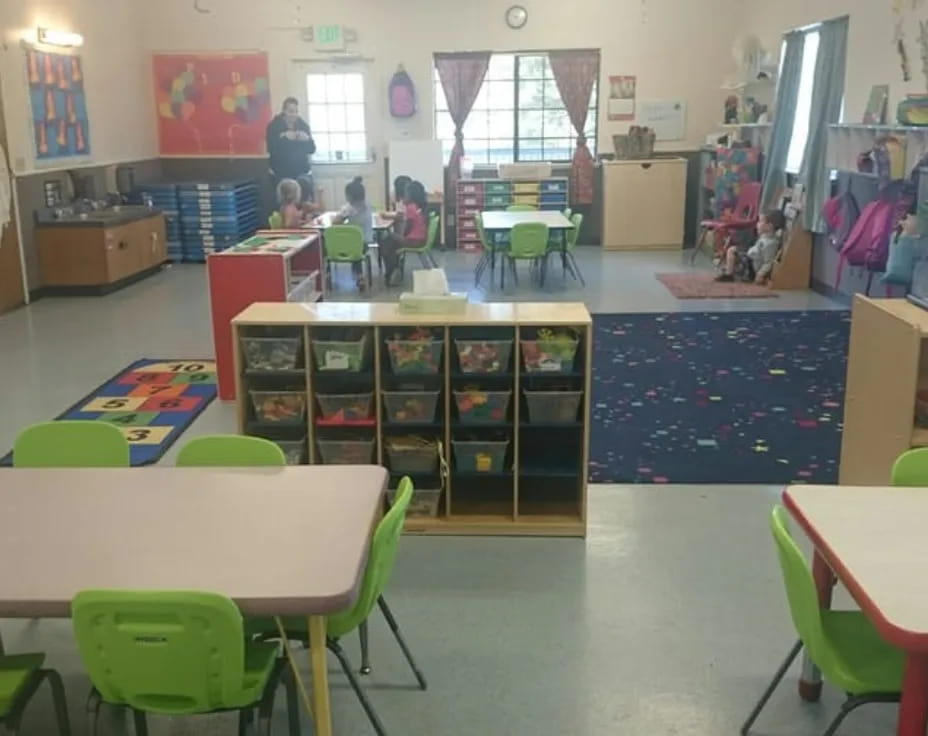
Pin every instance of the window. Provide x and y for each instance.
(518, 114)
(336, 116)
(797, 146)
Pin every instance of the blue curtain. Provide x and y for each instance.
(784, 116)
(827, 96)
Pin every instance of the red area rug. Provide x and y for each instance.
(704, 286)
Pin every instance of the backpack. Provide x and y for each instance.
(840, 214)
(867, 245)
(889, 159)
(402, 95)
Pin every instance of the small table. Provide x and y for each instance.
(278, 541)
(874, 540)
(380, 226)
(504, 221)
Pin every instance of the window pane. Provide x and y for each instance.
(441, 103)
(335, 87)
(354, 88)
(797, 145)
(315, 87)
(501, 123)
(357, 146)
(531, 149)
(499, 95)
(531, 67)
(531, 95)
(354, 117)
(339, 145)
(477, 125)
(318, 117)
(558, 149)
(444, 126)
(552, 96)
(501, 153)
(483, 98)
(323, 144)
(530, 124)
(502, 66)
(557, 124)
(337, 120)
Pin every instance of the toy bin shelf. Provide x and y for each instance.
(487, 411)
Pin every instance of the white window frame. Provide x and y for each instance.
(346, 106)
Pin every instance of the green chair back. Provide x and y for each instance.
(911, 468)
(521, 208)
(528, 240)
(344, 243)
(230, 451)
(275, 221)
(574, 233)
(432, 238)
(162, 651)
(379, 564)
(568, 212)
(71, 444)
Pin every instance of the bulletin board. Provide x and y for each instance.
(59, 105)
(212, 104)
(667, 118)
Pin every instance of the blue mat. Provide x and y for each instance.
(745, 397)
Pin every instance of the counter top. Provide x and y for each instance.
(104, 218)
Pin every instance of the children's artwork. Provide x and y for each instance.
(59, 105)
(212, 104)
(622, 97)
(667, 118)
(734, 167)
(877, 104)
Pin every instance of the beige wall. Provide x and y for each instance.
(872, 57)
(116, 72)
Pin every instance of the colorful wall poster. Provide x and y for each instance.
(622, 97)
(59, 104)
(212, 104)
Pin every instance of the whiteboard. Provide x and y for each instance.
(422, 160)
(667, 118)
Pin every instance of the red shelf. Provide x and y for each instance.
(320, 422)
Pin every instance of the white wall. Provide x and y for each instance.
(872, 57)
(669, 44)
(116, 72)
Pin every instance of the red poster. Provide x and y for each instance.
(211, 104)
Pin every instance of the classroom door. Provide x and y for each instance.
(12, 293)
(342, 102)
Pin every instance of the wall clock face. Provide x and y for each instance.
(516, 16)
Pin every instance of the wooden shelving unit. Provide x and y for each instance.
(847, 141)
(540, 487)
(474, 196)
(887, 367)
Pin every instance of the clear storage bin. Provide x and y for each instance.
(345, 407)
(410, 406)
(555, 407)
(346, 452)
(424, 501)
(293, 449)
(480, 456)
(484, 356)
(549, 356)
(412, 454)
(340, 355)
(415, 357)
(271, 353)
(280, 407)
(482, 407)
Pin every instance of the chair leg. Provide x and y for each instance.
(372, 716)
(60, 702)
(266, 705)
(480, 268)
(293, 706)
(703, 234)
(370, 275)
(94, 701)
(575, 268)
(365, 654)
(395, 628)
(141, 722)
(793, 653)
(515, 272)
(246, 718)
(423, 259)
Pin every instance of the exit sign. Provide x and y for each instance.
(328, 38)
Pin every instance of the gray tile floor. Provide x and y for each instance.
(667, 619)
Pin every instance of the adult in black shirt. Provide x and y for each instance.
(289, 143)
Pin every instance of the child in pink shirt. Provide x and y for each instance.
(414, 229)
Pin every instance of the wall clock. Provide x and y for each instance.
(516, 16)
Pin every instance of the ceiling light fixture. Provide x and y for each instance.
(52, 37)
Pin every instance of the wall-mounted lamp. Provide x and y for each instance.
(52, 37)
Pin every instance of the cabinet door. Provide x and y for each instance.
(644, 204)
(122, 253)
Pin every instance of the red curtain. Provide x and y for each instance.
(575, 72)
(461, 77)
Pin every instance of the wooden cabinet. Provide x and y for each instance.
(96, 256)
(644, 203)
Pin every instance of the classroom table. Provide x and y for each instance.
(874, 540)
(380, 226)
(286, 541)
(495, 221)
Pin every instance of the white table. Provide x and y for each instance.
(277, 541)
(875, 541)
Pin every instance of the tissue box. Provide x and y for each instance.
(411, 303)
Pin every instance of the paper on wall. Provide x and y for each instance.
(667, 118)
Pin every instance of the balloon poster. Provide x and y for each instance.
(212, 104)
(59, 106)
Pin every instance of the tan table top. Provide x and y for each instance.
(289, 541)
(874, 539)
(324, 221)
(501, 220)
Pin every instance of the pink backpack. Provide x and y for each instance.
(867, 245)
(402, 95)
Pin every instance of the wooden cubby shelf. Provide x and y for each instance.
(331, 385)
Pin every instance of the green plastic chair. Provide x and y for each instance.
(376, 576)
(911, 468)
(521, 208)
(567, 212)
(20, 677)
(528, 241)
(842, 644)
(275, 221)
(426, 256)
(71, 444)
(345, 244)
(176, 653)
(230, 451)
(572, 236)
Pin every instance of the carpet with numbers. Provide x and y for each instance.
(152, 402)
(716, 397)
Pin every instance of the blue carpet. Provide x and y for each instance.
(745, 397)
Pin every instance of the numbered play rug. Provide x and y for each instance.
(152, 402)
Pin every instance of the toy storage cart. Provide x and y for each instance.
(270, 266)
(487, 411)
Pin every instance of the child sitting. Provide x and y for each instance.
(757, 263)
(357, 212)
(410, 230)
(288, 201)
